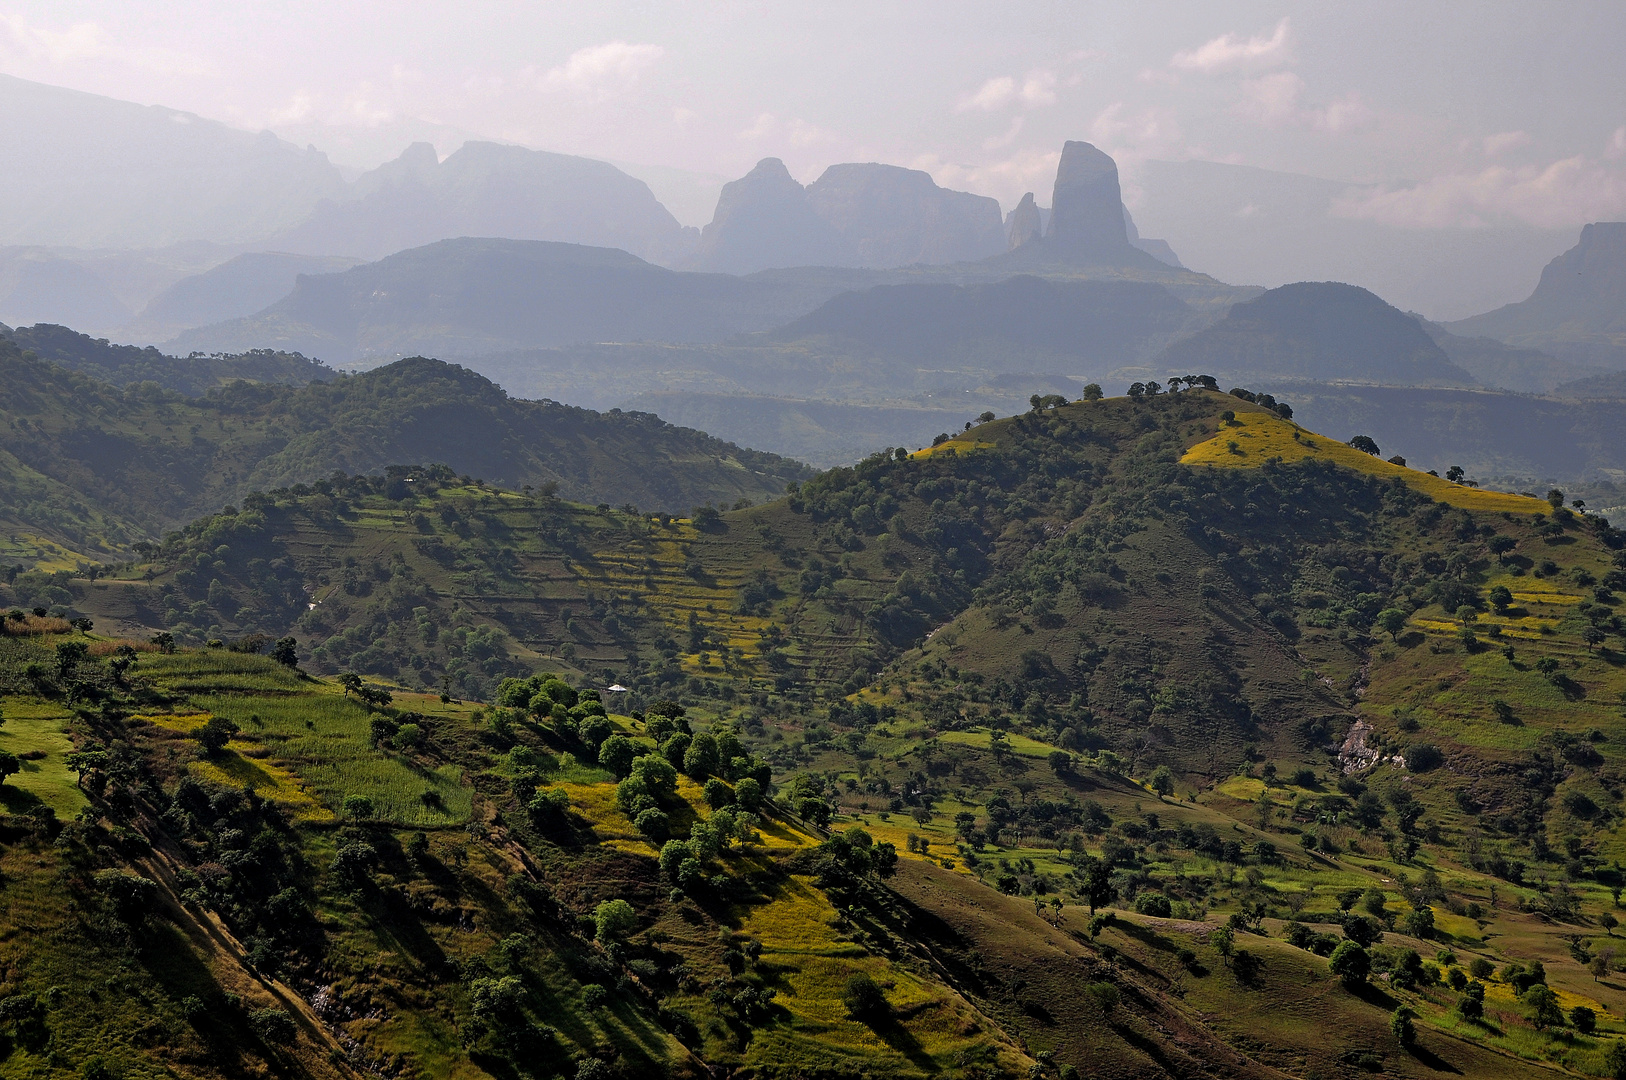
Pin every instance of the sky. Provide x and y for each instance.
(1449, 114)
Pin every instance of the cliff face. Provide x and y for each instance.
(1026, 225)
(1578, 310)
(897, 217)
(764, 220)
(1087, 210)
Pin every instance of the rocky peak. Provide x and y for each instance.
(1025, 223)
(1086, 215)
(765, 219)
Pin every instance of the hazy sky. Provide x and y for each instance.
(1457, 113)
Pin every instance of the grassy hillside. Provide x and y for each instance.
(97, 468)
(1327, 738)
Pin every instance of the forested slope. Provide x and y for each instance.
(1154, 736)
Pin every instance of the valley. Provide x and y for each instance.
(1132, 655)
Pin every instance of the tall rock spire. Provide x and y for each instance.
(1086, 211)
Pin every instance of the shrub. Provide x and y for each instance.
(1584, 1019)
(1105, 995)
(653, 824)
(864, 999)
(1480, 968)
(359, 807)
(613, 920)
(748, 793)
(1423, 757)
(1154, 904)
(272, 1025)
(1351, 963)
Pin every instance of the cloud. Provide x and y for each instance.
(766, 124)
(599, 71)
(1148, 131)
(88, 41)
(1617, 145)
(1273, 100)
(1503, 141)
(1000, 142)
(1564, 194)
(1232, 51)
(1004, 180)
(804, 134)
(1036, 89)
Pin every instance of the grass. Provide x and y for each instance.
(40, 729)
(1260, 437)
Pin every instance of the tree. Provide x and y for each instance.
(1405, 1031)
(9, 765)
(215, 734)
(351, 683)
(1095, 882)
(617, 754)
(1500, 597)
(1543, 1007)
(1499, 546)
(1584, 1019)
(1092, 392)
(1366, 445)
(286, 652)
(748, 793)
(864, 999)
(1061, 762)
(1615, 1060)
(1163, 780)
(1455, 474)
(1555, 498)
(1224, 942)
(358, 807)
(1351, 963)
(614, 920)
(1391, 621)
(1598, 966)
(1420, 922)
(700, 760)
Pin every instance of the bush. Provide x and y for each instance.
(1154, 904)
(1584, 1019)
(1423, 757)
(654, 824)
(358, 807)
(864, 999)
(272, 1025)
(1105, 995)
(613, 920)
(1351, 963)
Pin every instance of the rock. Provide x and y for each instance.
(765, 219)
(1087, 210)
(1578, 310)
(891, 216)
(1025, 225)
(1157, 249)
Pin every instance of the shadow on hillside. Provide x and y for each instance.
(1430, 1060)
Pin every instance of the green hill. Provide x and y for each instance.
(1328, 737)
(97, 468)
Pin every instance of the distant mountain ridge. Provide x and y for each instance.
(104, 173)
(473, 296)
(1324, 331)
(487, 189)
(1577, 311)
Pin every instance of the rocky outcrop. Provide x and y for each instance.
(1087, 210)
(1025, 225)
(764, 220)
(891, 216)
(1578, 310)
